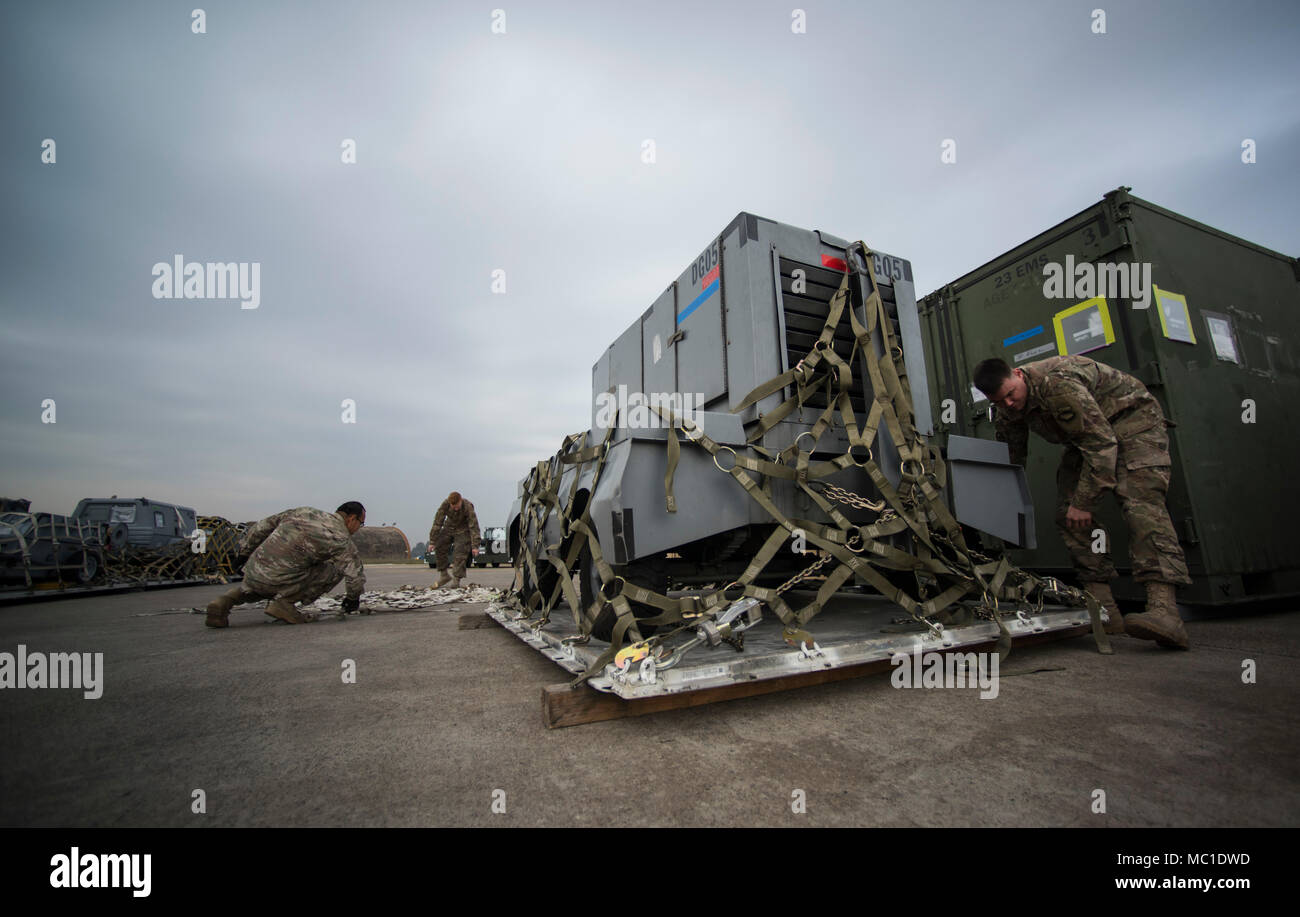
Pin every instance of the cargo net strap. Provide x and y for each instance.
(945, 568)
(212, 556)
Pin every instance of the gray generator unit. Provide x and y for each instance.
(738, 354)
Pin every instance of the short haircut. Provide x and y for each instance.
(453, 497)
(991, 374)
(352, 508)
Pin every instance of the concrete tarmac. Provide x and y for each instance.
(441, 723)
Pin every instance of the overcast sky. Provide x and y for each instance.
(522, 152)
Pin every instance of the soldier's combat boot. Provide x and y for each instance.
(1101, 592)
(1160, 622)
(456, 584)
(219, 608)
(284, 610)
(443, 580)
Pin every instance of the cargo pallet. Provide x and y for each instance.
(56, 591)
(853, 639)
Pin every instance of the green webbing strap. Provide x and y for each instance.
(777, 414)
(570, 596)
(826, 507)
(802, 371)
(771, 386)
(765, 555)
(1098, 631)
(674, 453)
(834, 580)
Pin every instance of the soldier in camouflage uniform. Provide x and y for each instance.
(1114, 433)
(455, 517)
(297, 556)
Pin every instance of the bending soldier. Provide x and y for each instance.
(1114, 433)
(455, 518)
(297, 556)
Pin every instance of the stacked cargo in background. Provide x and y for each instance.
(1217, 345)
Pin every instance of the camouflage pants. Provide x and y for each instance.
(1141, 483)
(442, 548)
(311, 585)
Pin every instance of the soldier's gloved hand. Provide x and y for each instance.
(351, 606)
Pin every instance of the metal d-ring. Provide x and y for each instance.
(801, 436)
(733, 464)
(604, 587)
(863, 463)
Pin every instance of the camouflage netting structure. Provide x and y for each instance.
(382, 543)
(217, 562)
(950, 583)
(101, 556)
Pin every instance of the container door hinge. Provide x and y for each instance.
(1151, 374)
(1189, 531)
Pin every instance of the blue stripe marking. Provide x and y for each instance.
(699, 301)
(1016, 338)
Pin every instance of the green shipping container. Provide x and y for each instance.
(1217, 344)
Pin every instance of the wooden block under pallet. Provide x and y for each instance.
(566, 706)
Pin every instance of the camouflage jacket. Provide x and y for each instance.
(286, 544)
(461, 520)
(1083, 404)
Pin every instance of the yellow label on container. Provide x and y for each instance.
(1083, 327)
(1175, 320)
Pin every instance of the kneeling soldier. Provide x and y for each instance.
(297, 556)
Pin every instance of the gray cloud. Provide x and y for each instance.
(522, 152)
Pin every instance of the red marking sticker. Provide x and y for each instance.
(836, 263)
(711, 275)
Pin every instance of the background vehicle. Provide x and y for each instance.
(493, 550)
(149, 523)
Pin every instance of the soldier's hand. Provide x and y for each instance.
(473, 552)
(1078, 518)
(351, 606)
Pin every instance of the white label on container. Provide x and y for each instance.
(1221, 335)
(1035, 352)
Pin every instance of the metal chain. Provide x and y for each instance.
(840, 495)
(800, 577)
